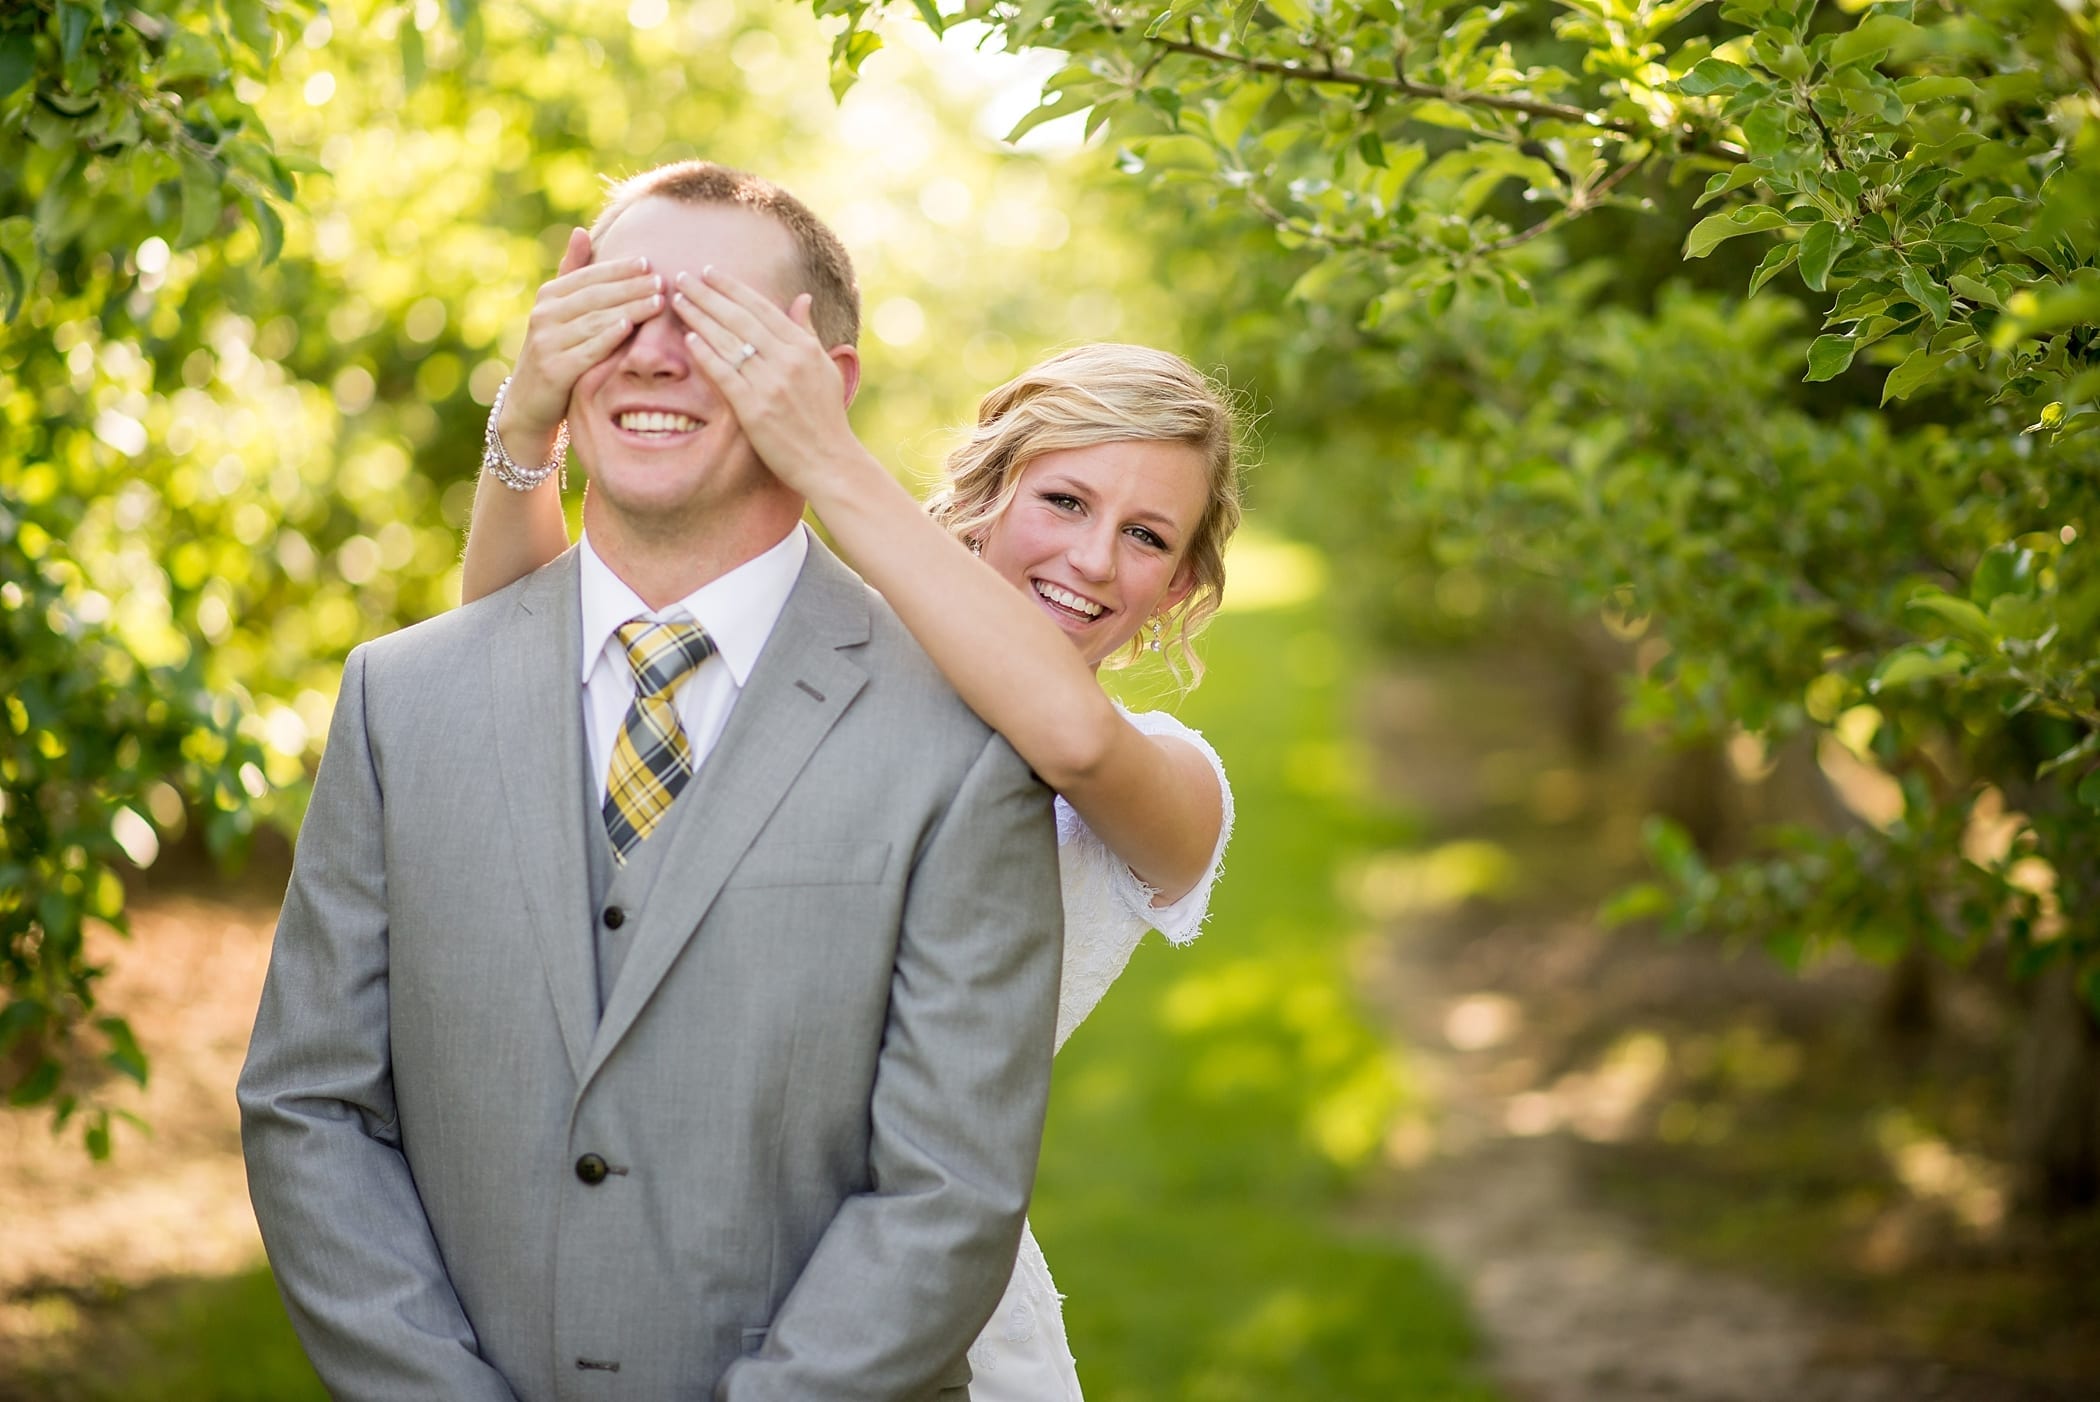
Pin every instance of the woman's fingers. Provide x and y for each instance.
(592, 297)
(755, 304)
(726, 343)
(727, 313)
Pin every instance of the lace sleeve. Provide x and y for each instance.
(1183, 920)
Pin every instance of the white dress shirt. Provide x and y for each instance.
(738, 611)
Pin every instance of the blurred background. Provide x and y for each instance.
(1657, 952)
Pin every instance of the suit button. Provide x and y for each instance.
(614, 917)
(591, 1169)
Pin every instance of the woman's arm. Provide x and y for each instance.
(581, 316)
(1153, 799)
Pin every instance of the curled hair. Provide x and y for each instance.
(1107, 393)
(826, 267)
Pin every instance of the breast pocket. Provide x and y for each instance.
(811, 864)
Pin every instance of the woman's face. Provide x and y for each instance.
(1099, 537)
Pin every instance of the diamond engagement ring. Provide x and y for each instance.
(743, 353)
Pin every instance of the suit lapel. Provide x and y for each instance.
(791, 700)
(533, 664)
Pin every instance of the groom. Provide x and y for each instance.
(576, 1077)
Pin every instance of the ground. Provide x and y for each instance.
(1667, 1170)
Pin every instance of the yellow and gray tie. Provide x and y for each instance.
(652, 760)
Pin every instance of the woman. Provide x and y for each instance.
(1101, 486)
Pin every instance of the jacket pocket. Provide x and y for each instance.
(751, 1341)
(812, 864)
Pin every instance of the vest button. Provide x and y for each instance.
(614, 917)
(591, 1169)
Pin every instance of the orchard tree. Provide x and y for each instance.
(1877, 529)
(127, 136)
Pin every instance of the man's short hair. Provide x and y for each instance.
(826, 266)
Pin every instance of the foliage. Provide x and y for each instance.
(1895, 555)
(117, 124)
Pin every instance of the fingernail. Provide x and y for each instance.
(642, 263)
(656, 301)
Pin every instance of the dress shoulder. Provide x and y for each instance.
(1182, 921)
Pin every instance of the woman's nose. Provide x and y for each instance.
(1093, 553)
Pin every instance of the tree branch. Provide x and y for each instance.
(1580, 202)
(1328, 73)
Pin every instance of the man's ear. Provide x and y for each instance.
(847, 358)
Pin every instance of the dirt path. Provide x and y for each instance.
(1576, 1304)
(172, 1202)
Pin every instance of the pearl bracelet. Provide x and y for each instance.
(496, 460)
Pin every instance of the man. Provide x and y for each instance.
(682, 1033)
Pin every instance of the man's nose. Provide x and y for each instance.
(658, 348)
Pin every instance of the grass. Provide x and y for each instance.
(1207, 1120)
(1205, 1131)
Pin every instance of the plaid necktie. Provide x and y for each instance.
(651, 760)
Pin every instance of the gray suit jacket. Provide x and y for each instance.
(818, 1086)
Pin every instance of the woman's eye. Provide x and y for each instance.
(1148, 537)
(1062, 501)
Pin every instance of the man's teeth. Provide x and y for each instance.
(1070, 600)
(652, 422)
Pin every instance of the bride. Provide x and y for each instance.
(1100, 486)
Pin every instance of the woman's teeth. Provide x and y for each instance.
(1067, 599)
(652, 422)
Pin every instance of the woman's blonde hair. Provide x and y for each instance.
(1107, 393)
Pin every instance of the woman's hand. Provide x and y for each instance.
(787, 390)
(581, 315)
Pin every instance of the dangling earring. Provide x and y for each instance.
(976, 546)
(1157, 629)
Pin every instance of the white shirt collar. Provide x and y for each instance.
(738, 610)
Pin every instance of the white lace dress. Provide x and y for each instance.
(1022, 1355)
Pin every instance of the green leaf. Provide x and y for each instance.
(2004, 569)
(1709, 233)
(2083, 750)
(1778, 258)
(73, 21)
(848, 53)
(2089, 789)
(193, 55)
(1371, 149)
(1917, 369)
(1713, 75)
(1874, 38)
(251, 25)
(1917, 662)
(1959, 614)
(1829, 356)
(17, 62)
(1073, 99)
(1295, 14)
(1640, 901)
(13, 286)
(1820, 247)
(1935, 299)
(201, 200)
(931, 13)
(36, 1087)
(1726, 181)
(17, 1018)
(124, 1055)
(1936, 88)
(268, 227)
